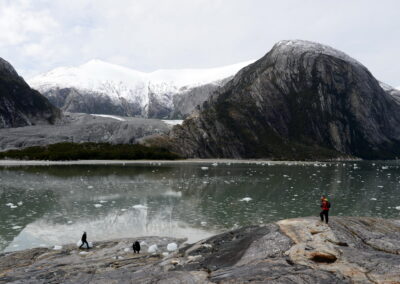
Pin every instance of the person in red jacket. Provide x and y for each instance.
(325, 205)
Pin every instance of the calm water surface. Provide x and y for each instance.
(53, 205)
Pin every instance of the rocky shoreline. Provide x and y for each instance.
(302, 250)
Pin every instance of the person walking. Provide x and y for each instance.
(84, 241)
(325, 206)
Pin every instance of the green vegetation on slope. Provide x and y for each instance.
(89, 151)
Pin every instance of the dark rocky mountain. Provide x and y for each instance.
(302, 100)
(19, 104)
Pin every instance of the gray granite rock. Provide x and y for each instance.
(303, 250)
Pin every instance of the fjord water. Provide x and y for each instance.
(53, 205)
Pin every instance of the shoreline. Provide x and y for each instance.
(166, 162)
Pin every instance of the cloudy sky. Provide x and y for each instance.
(146, 35)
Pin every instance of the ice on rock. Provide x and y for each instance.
(215, 164)
(203, 223)
(373, 199)
(56, 247)
(126, 249)
(98, 205)
(165, 254)
(247, 199)
(16, 227)
(172, 247)
(204, 168)
(152, 249)
(397, 207)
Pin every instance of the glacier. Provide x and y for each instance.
(128, 92)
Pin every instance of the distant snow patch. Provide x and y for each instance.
(110, 116)
(173, 122)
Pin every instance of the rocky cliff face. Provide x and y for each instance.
(303, 250)
(302, 100)
(19, 104)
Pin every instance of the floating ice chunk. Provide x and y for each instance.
(397, 207)
(10, 204)
(204, 168)
(69, 222)
(380, 186)
(98, 205)
(16, 227)
(13, 206)
(384, 167)
(172, 247)
(247, 199)
(123, 209)
(165, 253)
(20, 203)
(173, 193)
(56, 247)
(373, 198)
(139, 206)
(152, 249)
(215, 164)
(103, 201)
(90, 186)
(203, 223)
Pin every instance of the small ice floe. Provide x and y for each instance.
(384, 167)
(90, 186)
(10, 204)
(13, 206)
(373, 199)
(227, 182)
(83, 252)
(69, 222)
(152, 249)
(103, 201)
(215, 164)
(173, 193)
(247, 199)
(204, 168)
(397, 207)
(20, 203)
(56, 247)
(139, 206)
(98, 205)
(380, 186)
(16, 227)
(172, 247)
(123, 209)
(203, 223)
(165, 253)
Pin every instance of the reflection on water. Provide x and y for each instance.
(48, 205)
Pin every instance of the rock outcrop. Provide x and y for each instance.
(303, 250)
(19, 104)
(302, 100)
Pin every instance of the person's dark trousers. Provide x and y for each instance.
(84, 242)
(324, 213)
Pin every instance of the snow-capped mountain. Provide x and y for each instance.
(105, 88)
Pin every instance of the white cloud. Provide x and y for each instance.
(150, 34)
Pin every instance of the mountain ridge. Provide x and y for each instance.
(96, 86)
(302, 100)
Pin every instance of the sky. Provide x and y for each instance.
(39, 35)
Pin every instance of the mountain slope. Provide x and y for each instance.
(101, 87)
(19, 104)
(302, 100)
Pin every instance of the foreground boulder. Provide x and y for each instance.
(302, 100)
(303, 250)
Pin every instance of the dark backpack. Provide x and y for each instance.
(329, 204)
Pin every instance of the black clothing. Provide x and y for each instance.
(136, 247)
(324, 213)
(84, 241)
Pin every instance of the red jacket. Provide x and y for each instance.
(325, 205)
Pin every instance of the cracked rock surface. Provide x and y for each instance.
(302, 250)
